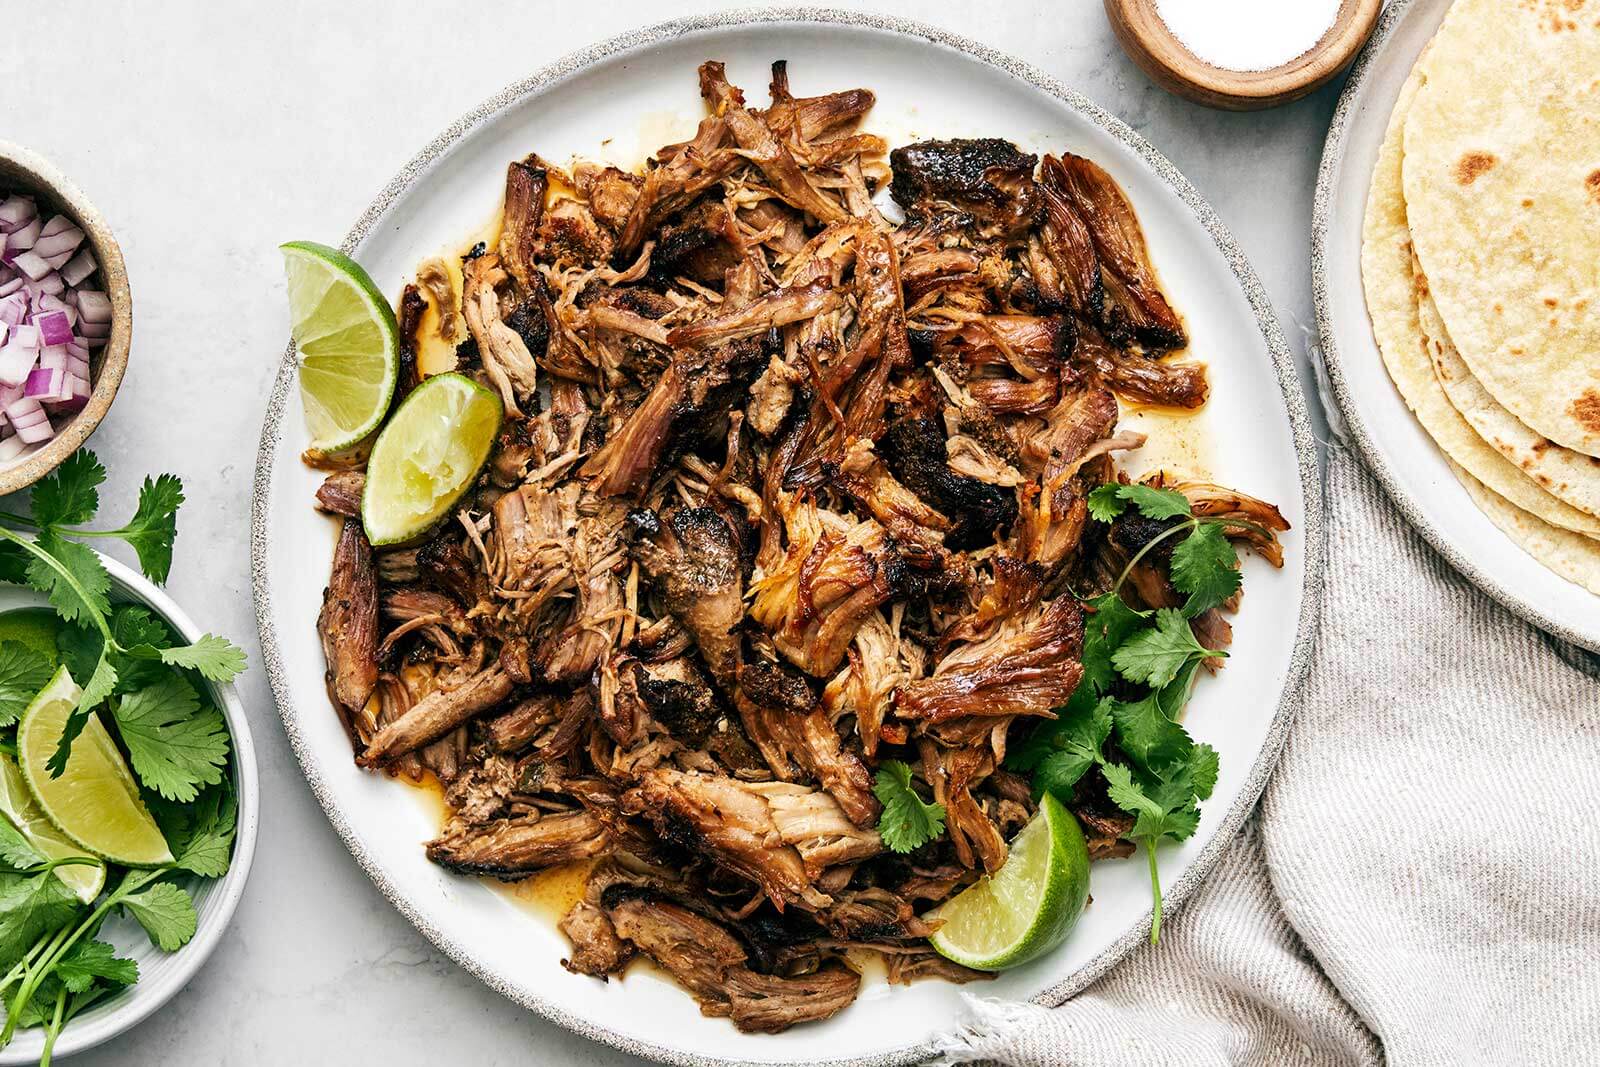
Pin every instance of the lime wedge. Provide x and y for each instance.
(34, 627)
(19, 807)
(427, 456)
(95, 802)
(1028, 906)
(349, 344)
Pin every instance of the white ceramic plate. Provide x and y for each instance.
(161, 974)
(1402, 455)
(639, 92)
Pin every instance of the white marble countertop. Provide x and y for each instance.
(209, 132)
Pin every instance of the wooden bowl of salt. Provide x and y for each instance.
(1242, 55)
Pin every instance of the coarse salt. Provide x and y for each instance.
(1248, 35)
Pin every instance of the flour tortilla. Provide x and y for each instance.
(1567, 475)
(1502, 186)
(1392, 305)
(1573, 556)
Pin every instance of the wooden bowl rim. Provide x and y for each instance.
(1350, 29)
(32, 173)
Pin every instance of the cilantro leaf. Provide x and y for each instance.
(1155, 656)
(1105, 503)
(175, 744)
(1155, 503)
(908, 822)
(154, 525)
(70, 495)
(77, 584)
(1061, 752)
(92, 960)
(23, 672)
(165, 912)
(1108, 502)
(216, 658)
(1146, 734)
(17, 851)
(1173, 696)
(1203, 766)
(200, 834)
(1103, 632)
(95, 690)
(30, 905)
(1206, 567)
(14, 560)
(1160, 807)
(80, 647)
(135, 624)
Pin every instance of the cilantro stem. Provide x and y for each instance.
(67, 576)
(131, 883)
(1155, 889)
(54, 1029)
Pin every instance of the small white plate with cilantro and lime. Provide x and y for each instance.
(1253, 435)
(128, 792)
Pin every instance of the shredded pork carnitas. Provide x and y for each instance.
(784, 490)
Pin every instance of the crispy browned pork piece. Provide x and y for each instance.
(348, 624)
(514, 847)
(784, 490)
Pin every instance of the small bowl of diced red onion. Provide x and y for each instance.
(65, 318)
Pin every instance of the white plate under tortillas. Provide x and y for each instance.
(1416, 473)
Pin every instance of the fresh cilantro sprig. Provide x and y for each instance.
(1139, 669)
(1205, 566)
(133, 653)
(908, 822)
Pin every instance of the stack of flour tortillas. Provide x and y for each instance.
(1481, 261)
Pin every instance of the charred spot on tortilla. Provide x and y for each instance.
(1472, 166)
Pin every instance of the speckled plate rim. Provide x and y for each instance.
(1333, 154)
(1250, 285)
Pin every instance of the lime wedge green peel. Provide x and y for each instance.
(95, 802)
(349, 344)
(84, 879)
(428, 454)
(1029, 905)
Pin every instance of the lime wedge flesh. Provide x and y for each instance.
(349, 344)
(427, 456)
(86, 880)
(37, 628)
(95, 803)
(1029, 905)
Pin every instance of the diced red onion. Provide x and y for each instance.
(78, 268)
(32, 424)
(16, 210)
(50, 285)
(63, 242)
(50, 303)
(94, 305)
(32, 265)
(54, 328)
(15, 363)
(45, 385)
(21, 239)
(47, 323)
